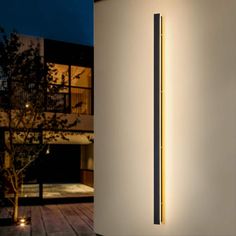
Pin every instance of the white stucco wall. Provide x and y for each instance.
(200, 74)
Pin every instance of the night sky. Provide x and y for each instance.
(64, 20)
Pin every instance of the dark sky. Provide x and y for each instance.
(65, 20)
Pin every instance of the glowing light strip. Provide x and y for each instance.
(162, 157)
(159, 134)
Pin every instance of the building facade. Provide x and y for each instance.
(65, 160)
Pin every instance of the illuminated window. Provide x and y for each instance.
(60, 74)
(81, 90)
(72, 89)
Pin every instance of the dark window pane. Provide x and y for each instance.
(58, 102)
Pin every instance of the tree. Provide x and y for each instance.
(27, 87)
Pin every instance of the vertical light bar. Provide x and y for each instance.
(162, 126)
(158, 124)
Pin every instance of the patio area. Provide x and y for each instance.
(56, 191)
(52, 220)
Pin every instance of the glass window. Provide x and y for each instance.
(72, 89)
(81, 77)
(58, 102)
(58, 98)
(81, 101)
(60, 74)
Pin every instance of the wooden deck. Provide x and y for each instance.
(53, 220)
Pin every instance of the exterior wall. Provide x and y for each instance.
(85, 122)
(31, 40)
(200, 120)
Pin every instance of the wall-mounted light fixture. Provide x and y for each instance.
(159, 146)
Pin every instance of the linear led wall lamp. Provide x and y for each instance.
(159, 145)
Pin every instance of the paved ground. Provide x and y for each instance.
(56, 190)
(53, 220)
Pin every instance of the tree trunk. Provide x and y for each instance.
(16, 207)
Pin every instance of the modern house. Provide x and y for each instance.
(65, 161)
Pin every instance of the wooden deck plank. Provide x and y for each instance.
(15, 231)
(75, 220)
(88, 206)
(37, 224)
(61, 234)
(54, 221)
(84, 217)
(87, 213)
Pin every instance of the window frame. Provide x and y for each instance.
(69, 93)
